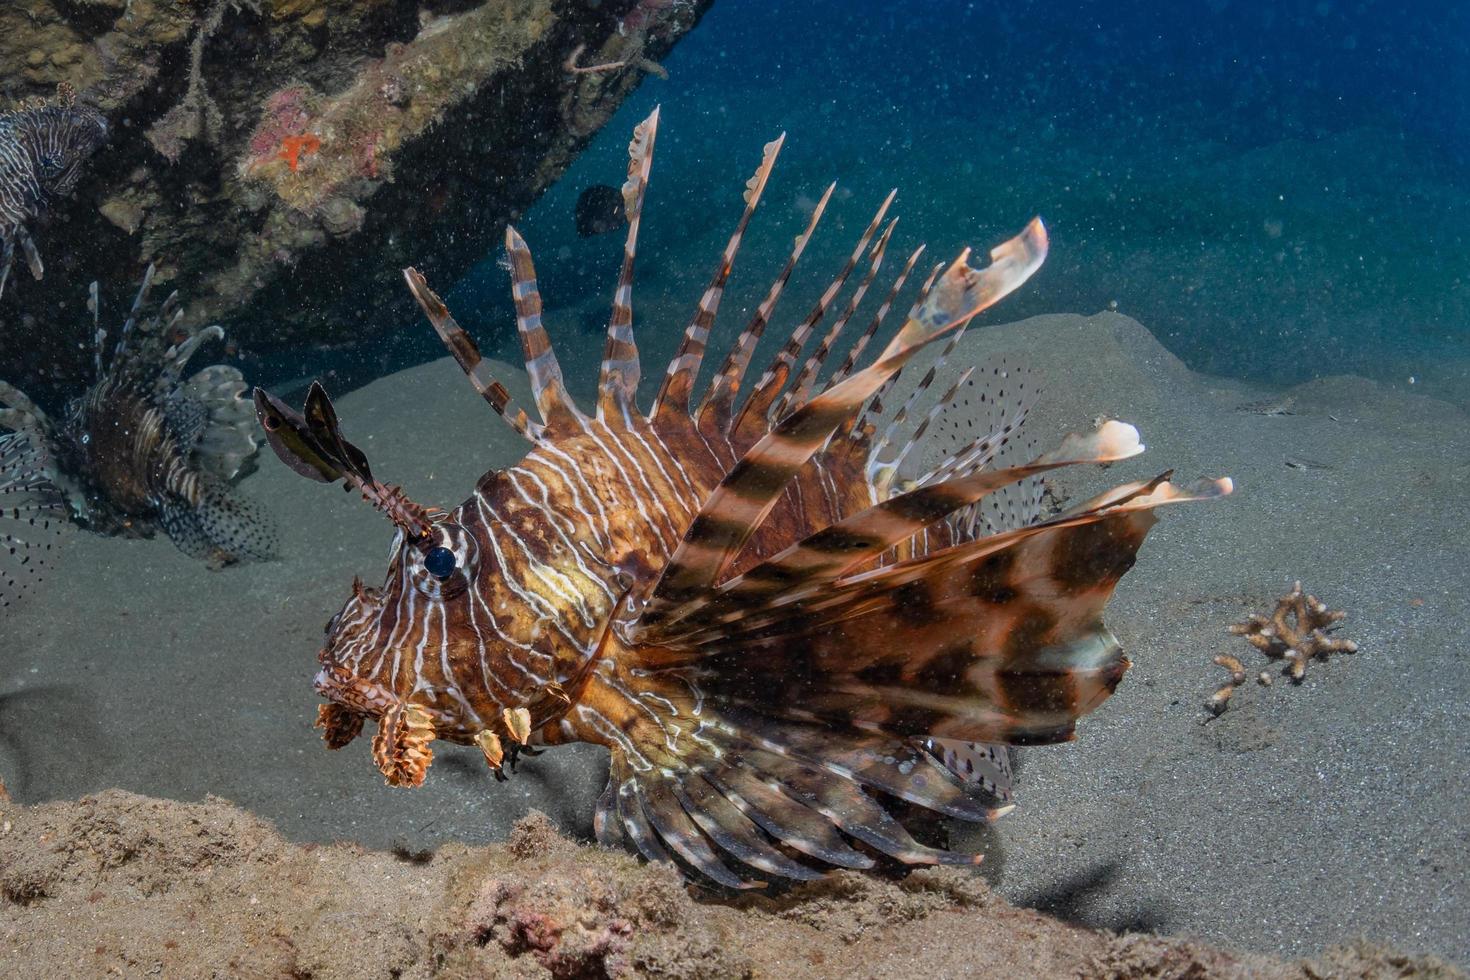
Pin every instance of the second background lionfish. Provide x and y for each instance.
(32, 516)
(146, 448)
(770, 630)
(32, 519)
(43, 146)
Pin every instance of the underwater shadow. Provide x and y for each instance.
(44, 729)
(568, 810)
(1073, 898)
(553, 788)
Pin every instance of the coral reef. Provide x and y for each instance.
(133, 885)
(580, 921)
(281, 154)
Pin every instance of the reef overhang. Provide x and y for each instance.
(282, 159)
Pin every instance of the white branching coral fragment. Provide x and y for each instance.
(1296, 632)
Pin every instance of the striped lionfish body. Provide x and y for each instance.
(147, 447)
(43, 147)
(770, 629)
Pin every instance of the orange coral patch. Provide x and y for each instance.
(292, 147)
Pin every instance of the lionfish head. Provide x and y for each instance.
(448, 634)
(64, 135)
(414, 633)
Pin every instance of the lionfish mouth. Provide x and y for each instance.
(340, 687)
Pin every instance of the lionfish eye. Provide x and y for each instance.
(439, 562)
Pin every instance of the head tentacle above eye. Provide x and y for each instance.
(311, 443)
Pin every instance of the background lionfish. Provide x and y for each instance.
(43, 146)
(763, 623)
(32, 516)
(146, 448)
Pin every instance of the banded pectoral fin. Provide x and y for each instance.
(743, 797)
(401, 746)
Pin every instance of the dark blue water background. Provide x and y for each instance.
(1276, 190)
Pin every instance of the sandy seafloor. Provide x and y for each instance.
(1304, 817)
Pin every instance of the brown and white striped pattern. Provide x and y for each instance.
(678, 385)
(753, 414)
(714, 410)
(467, 354)
(620, 370)
(767, 636)
(806, 378)
(555, 405)
(43, 148)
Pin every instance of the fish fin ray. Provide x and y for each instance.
(801, 386)
(734, 509)
(719, 401)
(752, 420)
(467, 354)
(678, 384)
(557, 409)
(618, 379)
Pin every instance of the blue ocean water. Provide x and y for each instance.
(1276, 190)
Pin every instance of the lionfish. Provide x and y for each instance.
(145, 447)
(43, 145)
(32, 516)
(773, 634)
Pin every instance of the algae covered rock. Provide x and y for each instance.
(280, 160)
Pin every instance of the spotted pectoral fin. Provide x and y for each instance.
(401, 746)
(984, 765)
(219, 527)
(840, 548)
(742, 796)
(1004, 640)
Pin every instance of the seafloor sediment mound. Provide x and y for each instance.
(282, 159)
(131, 885)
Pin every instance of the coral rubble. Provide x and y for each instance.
(1297, 631)
(117, 883)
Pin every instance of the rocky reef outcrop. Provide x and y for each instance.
(281, 159)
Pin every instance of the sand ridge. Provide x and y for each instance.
(119, 884)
